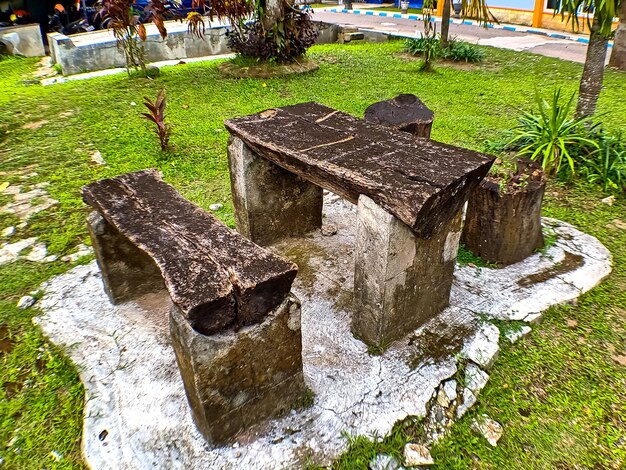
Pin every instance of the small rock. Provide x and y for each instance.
(490, 429)
(608, 200)
(38, 253)
(384, 462)
(442, 398)
(571, 323)
(81, 250)
(328, 230)
(132, 103)
(96, 157)
(449, 387)
(475, 378)
(56, 455)
(7, 232)
(416, 455)
(25, 302)
(215, 207)
(620, 224)
(468, 401)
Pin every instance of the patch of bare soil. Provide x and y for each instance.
(35, 124)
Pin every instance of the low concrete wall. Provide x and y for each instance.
(24, 40)
(98, 50)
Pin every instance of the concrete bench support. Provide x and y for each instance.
(270, 202)
(235, 379)
(127, 272)
(235, 325)
(400, 280)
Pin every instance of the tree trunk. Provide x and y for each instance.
(618, 55)
(504, 227)
(593, 71)
(445, 23)
(274, 11)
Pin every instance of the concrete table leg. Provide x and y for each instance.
(270, 203)
(400, 280)
(236, 379)
(127, 272)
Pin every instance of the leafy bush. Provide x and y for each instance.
(418, 46)
(550, 136)
(457, 51)
(289, 39)
(606, 164)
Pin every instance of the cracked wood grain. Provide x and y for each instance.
(214, 275)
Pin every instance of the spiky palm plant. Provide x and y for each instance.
(550, 135)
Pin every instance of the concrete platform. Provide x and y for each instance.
(136, 413)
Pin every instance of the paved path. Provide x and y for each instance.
(519, 41)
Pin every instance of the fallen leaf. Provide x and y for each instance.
(620, 224)
(268, 114)
(571, 323)
(185, 106)
(35, 125)
(621, 359)
(4, 186)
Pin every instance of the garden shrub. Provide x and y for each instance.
(289, 39)
(457, 51)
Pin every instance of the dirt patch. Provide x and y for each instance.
(35, 125)
(438, 344)
(570, 263)
(234, 70)
(6, 343)
(466, 66)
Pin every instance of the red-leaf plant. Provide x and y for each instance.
(157, 116)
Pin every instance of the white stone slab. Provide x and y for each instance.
(135, 394)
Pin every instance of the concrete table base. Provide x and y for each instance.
(127, 272)
(270, 203)
(400, 280)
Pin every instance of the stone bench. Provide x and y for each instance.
(409, 194)
(235, 326)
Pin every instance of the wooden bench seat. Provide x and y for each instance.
(216, 277)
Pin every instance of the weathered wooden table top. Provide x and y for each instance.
(423, 183)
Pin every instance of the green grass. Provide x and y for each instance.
(564, 400)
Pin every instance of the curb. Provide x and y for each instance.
(413, 17)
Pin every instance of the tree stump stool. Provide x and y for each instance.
(404, 113)
(503, 220)
(409, 197)
(235, 326)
